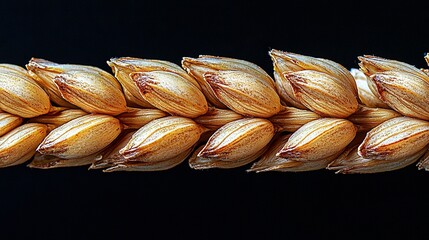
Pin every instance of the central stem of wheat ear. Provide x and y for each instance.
(216, 112)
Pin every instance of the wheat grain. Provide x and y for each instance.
(232, 109)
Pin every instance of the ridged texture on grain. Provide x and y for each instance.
(244, 93)
(366, 118)
(271, 162)
(91, 91)
(162, 139)
(170, 92)
(395, 139)
(19, 93)
(198, 67)
(19, 145)
(8, 122)
(81, 137)
(287, 63)
(235, 144)
(318, 139)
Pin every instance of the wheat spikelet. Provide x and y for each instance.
(217, 112)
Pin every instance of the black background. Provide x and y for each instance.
(75, 203)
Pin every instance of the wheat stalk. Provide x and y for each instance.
(217, 112)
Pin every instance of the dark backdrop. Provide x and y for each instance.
(75, 203)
